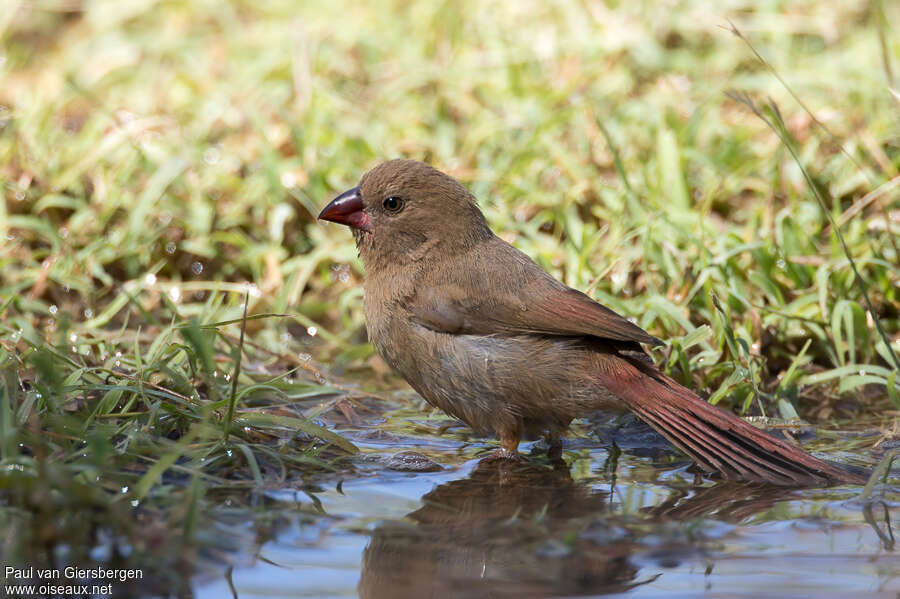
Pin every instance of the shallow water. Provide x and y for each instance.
(632, 521)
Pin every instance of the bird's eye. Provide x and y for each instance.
(393, 204)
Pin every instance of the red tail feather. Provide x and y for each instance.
(716, 439)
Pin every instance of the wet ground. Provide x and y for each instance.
(423, 516)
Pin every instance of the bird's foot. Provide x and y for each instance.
(509, 446)
(504, 454)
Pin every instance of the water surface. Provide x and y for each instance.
(423, 515)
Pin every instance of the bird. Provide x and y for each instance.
(482, 332)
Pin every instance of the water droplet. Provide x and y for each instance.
(125, 489)
(199, 295)
(862, 373)
(16, 335)
(135, 503)
(211, 155)
(781, 263)
(53, 309)
(175, 294)
(118, 354)
(227, 377)
(150, 279)
(20, 195)
(229, 453)
(171, 247)
(253, 290)
(304, 357)
(73, 337)
(196, 268)
(88, 313)
(312, 331)
(165, 218)
(64, 233)
(288, 180)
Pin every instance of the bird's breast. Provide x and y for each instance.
(484, 379)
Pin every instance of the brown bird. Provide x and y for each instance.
(485, 334)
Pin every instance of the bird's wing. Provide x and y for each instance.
(502, 291)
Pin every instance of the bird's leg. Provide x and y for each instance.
(509, 442)
(554, 445)
(509, 447)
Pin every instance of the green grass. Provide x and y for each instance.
(161, 160)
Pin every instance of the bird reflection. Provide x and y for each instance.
(529, 530)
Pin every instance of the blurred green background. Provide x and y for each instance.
(178, 148)
(160, 159)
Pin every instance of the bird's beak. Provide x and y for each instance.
(347, 209)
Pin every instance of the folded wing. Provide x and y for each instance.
(509, 294)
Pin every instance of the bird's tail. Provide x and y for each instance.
(716, 439)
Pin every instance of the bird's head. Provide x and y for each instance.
(402, 209)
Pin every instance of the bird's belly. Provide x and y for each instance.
(494, 381)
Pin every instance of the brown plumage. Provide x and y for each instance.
(485, 334)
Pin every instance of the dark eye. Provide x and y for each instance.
(393, 204)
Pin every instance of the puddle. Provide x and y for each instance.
(440, 523)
